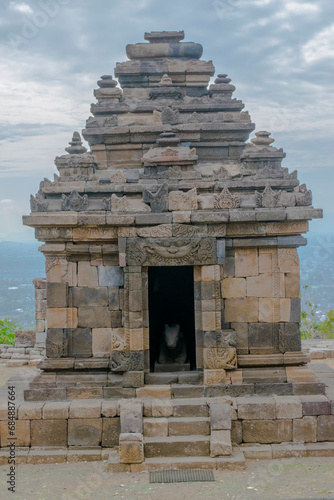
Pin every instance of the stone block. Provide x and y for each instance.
(288, 260)
(114, 298)
(56, 410)
(75, 456)
(260, 286)
(246, 262)
(45, 394)
(40, 456)
(290, 450)
(325, 430)
(57, 295)
(101, 342)
(111, 429)
(133, 379)
(269, 310)
(80, 342)
(84, 432)
(62, 317)
(288, 407)
(110, 409)
(216, 377)
(94, 317)
(305, 429)
(131, 448)
(315, 405)
(136, 339)
(242, 310)
(300, 374)
(30, 411)
(162, 408)
(56, 343)
(233, 287)
(135, 300)
(320, 449)
(209, 321)
(85, 409)
(295, 310)
(292, 285)
(209, 273)
(154, 392)
(220, 443)
(116, 319)
(87, 275)
(25, 338)
(208, 290)
(49, 433)
(131, 413)
(241, 331)
(112, 276)
(256, 408)
(155, 427)
(21, 433)
(257, 451)
(191, 426)
(84, 392)
(266, 431)
(220, 415)
(181, 217)
(236, 432)
(263, 338)
(61, 271)
(86, 296)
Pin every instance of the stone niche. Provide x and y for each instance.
(171, 218)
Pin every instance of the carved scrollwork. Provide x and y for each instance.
(171, 251)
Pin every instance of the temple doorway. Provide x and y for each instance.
(171, 302)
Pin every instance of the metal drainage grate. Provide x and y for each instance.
(181, 476)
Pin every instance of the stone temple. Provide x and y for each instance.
(173, 228)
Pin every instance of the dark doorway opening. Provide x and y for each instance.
(171, 301)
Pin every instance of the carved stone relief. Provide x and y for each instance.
(74, 201)
(158, 200)
(171, 251)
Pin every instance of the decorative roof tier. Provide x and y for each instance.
(161, 128)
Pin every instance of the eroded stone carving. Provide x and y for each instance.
(170, 115)
(123, 361)
(162, 231)
(127, 204)
(226, 199)
(216, 358)
(106, 204)
(158, 200)
(269, 197)
(39, 203)
(178, 200)
(303, 196)
(74, 201)
(171, 251)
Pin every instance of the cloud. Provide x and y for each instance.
(24, 8)
(321, 46)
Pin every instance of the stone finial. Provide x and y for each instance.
(222, 87)
(262, 139)
(222, 78)
(76, 147)
(106, 81)
(165, 81)
(168, 139)
(164, 36)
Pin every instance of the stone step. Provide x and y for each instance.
(185, 426)
(177, 446)
(175, 377)
(234, 462)
(196, 407)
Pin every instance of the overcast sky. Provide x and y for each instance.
(278, 53)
